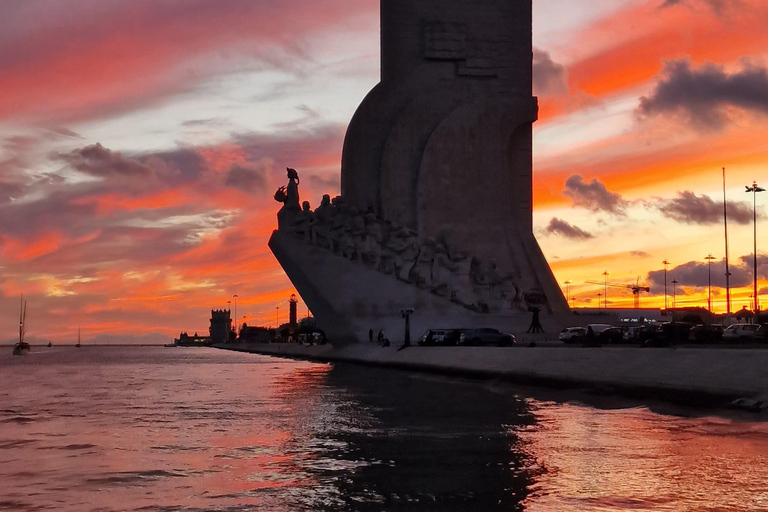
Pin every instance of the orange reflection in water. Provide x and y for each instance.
(600, 460)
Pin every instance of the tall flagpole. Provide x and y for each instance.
(727, 268)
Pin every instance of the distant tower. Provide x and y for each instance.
(221, 326)
(292, 312)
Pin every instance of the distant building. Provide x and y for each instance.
(221, 326)
(185, 340)
(249, 334)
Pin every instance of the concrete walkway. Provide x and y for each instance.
(698, 376)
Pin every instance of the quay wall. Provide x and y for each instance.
(711, 376)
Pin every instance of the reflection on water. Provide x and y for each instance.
(158, 429)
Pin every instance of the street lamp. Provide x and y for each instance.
(674, 293)
(666, 264)
(605, 289)
(277, 317)
(568, 291)
(236, 327)
(709, 258)
(755, 189)
(599, 296)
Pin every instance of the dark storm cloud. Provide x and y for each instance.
(314, 147)
(689, 208)
(702, 95)
(560, 227)
(762, 261)
(101, 162)
(594, 196)
(251, 177)
(696, 274)
(549, 77)
(718, 6)
(332, 181)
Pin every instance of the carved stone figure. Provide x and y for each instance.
(422, 271)
(338, 231)
(442, 271)
(324, 215)
(303, 223)
(462, 285)
(406, 246)
(289, 196)
(369, 244)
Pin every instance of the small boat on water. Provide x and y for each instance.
(22, 347)
(50, 344)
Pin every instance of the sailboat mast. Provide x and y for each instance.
(727, 268)
(21, 318)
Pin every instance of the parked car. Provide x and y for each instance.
(433, 337)
(666, 334)
(611, 335)
(703, 333)
(485, 337)
(572, 334)
(744, 332)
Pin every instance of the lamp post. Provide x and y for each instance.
(674, 293)
(709, 258)
(277, 317)
(568, 291)
(599, 296)
(755, 189)
(666, 264)
(605, 289)
(237, 328)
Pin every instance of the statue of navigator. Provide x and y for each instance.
(289, 196)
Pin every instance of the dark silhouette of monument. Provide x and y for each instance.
(436, 205)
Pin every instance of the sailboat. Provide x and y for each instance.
(78, 338)
(22, 347)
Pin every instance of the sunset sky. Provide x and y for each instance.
(141, 142)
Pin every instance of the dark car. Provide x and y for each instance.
(485, 337)
(703, 333)
(611, 335)
(667, 334)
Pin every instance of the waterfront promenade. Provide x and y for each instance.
(711, 376)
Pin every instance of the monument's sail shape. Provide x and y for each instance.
(439, 156)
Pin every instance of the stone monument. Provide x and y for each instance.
(436, 206)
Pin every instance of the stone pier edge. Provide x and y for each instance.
(736, 374)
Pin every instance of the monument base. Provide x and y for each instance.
(348, 299)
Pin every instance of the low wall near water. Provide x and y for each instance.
(706, 376)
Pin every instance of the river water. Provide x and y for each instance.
(172, 429)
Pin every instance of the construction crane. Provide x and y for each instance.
(636, 289)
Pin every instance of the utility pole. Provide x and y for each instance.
(674, 293)
(666, 264)
(605, 289)
(755, 189)
(727, 266)
(709, 258)
(237, 327)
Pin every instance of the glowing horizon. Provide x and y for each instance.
(141, 143)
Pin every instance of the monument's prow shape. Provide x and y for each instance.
(440, 156)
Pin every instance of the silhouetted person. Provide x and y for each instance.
(591, 337)
(535, 323)
(370, 335)
(380, 337)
